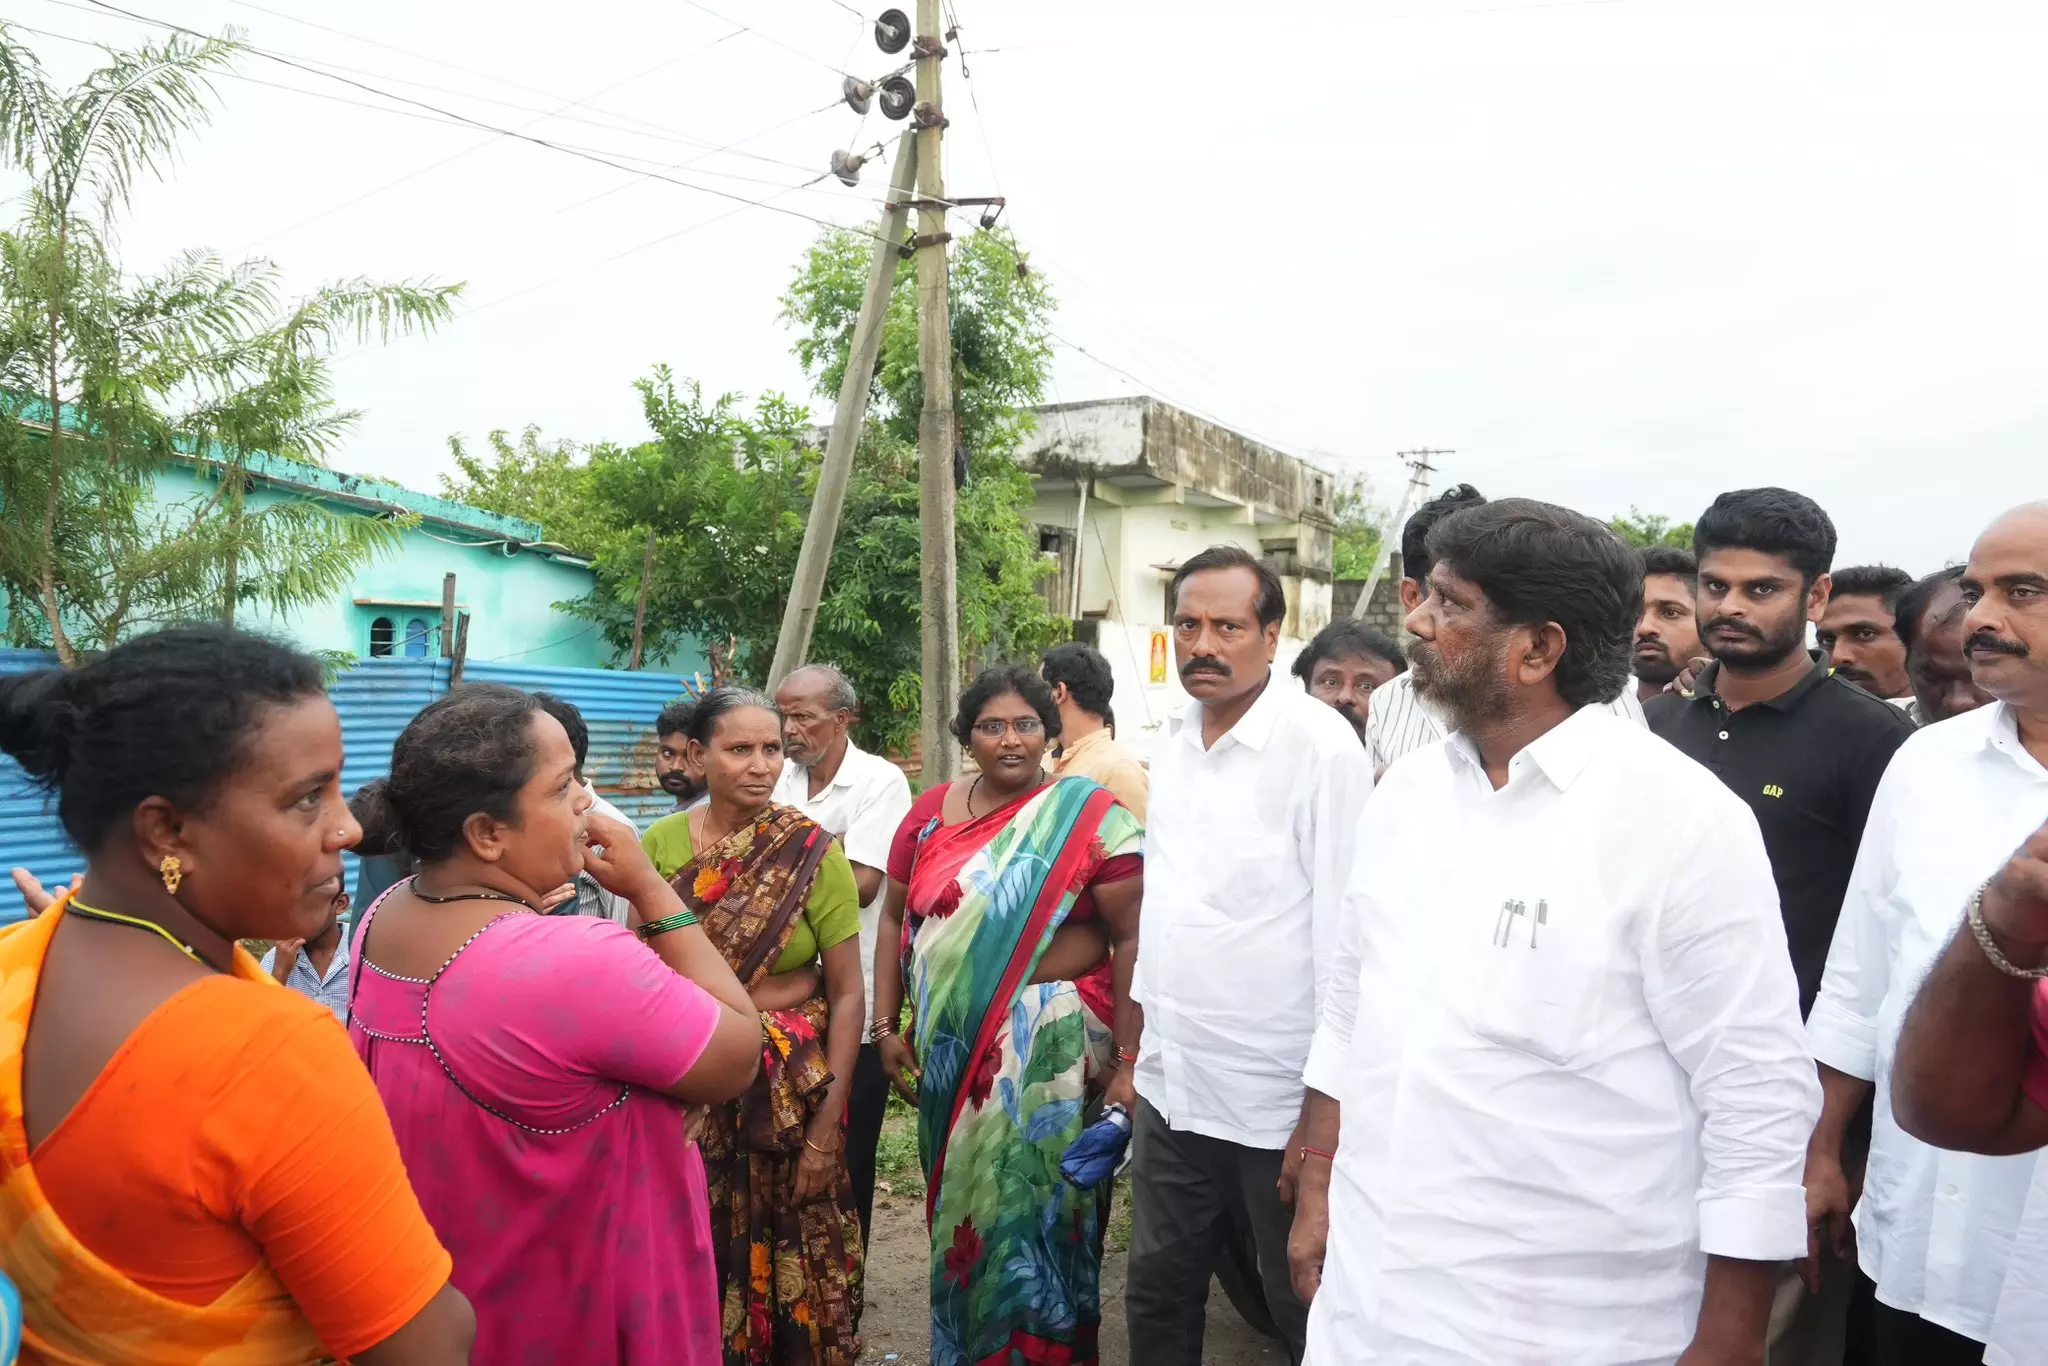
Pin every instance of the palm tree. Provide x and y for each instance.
(106, 378)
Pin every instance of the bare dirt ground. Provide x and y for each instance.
(897, 1323)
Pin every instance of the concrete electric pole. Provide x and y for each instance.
(935, 440)
(1412, 496)
(793, 644)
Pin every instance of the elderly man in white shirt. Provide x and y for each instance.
(1559, 1098)
(1254, 797)
(1400, 720)
(861, 798)
(1939, 1230)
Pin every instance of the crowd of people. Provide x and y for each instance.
(1641, 966)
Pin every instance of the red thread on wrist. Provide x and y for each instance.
(1307, 1152)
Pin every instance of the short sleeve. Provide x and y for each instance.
(903, 849)
(834, 908)
(655, 1022)
(2035, 1082)
(667, 843)
(869, 839)
(312, 1172)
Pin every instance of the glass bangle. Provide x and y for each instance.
(681, 920)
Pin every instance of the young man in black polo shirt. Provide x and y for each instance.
(1803, 748)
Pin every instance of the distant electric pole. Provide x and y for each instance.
(1417, 490)
(935, 440)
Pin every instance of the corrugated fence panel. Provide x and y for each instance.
(620, 709)
(29, 834)
(376, 699)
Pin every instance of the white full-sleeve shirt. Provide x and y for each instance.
(1247, 849)
(1565, 1033)
(1399, 722)
(1934, 1229)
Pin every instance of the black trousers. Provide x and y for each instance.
(1187, 1192)
(867, 1103)
(1902, 1339)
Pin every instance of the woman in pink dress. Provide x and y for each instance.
(537, 1068)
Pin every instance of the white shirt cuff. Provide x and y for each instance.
(1755, 1223)
(1842, 1040)
(1326, 1066)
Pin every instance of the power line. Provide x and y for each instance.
(488, 127)
(766, 37)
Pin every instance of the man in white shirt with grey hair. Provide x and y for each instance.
(1559, 1099)
(1247, 847)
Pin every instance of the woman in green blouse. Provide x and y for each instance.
(775, 893)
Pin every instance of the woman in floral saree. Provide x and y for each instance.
(1007, 891)
(775, 893)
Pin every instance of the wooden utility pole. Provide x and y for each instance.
(935, 423)
(447, 616)
(800, 615)
(1418, 484)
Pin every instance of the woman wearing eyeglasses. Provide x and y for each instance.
(1008, 890)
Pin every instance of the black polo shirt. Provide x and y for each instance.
(1807, 762)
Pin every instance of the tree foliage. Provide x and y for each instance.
(1646, 529)
(1361, 523)
(108, 379)
(727, 488)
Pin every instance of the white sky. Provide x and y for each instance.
(1611, 252)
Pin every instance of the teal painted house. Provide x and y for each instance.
(507, 578)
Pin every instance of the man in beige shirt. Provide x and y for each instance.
(1082, 684)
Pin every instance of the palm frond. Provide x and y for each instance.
(126, 118)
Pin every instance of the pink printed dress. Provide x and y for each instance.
(521, 1083)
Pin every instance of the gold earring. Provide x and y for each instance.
(173, 873)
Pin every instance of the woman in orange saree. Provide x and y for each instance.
(193, 1166)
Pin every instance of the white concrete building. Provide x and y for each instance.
(1126, 491)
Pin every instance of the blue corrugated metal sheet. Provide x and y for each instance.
(29, 834)
(376, 699)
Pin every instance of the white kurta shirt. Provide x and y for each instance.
(1399, 722)
(1246, 855)
(1565, 1033)
(1934, 1229)
(863, 804)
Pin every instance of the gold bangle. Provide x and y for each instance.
(827, 1152)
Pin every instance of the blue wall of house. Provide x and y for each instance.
(506, 582)
(375, 700)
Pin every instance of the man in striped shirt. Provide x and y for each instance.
(1400, 722)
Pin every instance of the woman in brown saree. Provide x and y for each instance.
(774, 891)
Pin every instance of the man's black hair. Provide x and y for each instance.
(1872, 581)
(1537, 563)
(677, 718)
(1914, 602)
(1415, 556)
(1772, 520)
(572, 721)
(1347, 636)
(1085, 672)
(1272, 597)
(1674, 560)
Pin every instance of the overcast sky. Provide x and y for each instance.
(1611, 252)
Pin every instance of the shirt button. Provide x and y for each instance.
(1724, 735)
(1949, 1191)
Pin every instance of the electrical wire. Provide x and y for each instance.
(766, 37)
(494, 128)
(477, 147)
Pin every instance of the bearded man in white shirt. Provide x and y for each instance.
(1254, 797)
(1942, 1232)
(1559, 1095)
(861, 798)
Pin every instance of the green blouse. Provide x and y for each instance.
(831, 916)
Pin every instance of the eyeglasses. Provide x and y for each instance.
(1026, 728)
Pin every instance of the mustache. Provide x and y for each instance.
(1647, 644)
(1730, 624)
(1987, 643)
(1204, 666)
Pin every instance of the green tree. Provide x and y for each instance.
(1646, 529)
(1360, 519)
(532, 478)
(106, 379)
